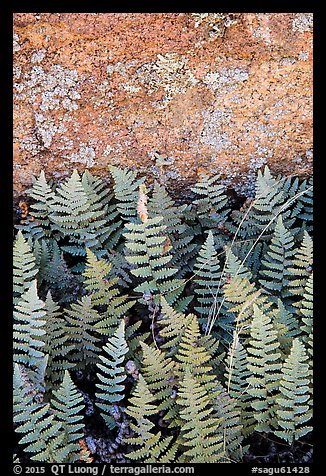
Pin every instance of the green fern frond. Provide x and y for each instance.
(150, 262)
(104, 293)
(212, 204)
(125, 187)
(29, 330)
(301, 266)
(201, 432)
(152, 448)
(67, 404)
(207, 280)
(294, 400)
(178, 232)
(112, 375)
(275, 274)
(81, 320)
(56, 344)
(264, 365)
(43, 434)
(24, 266)
(306, 314)
(74, 219)
(286, 324)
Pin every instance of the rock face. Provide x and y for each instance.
(225, 93)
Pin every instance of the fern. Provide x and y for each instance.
(306, 314)
(125, 187)
(159, 373)
(29, 331)
(269, 200)
(201, 433)
(286, 324)
(24, 267)
(301, 266)
(212, 204)
(173, 325)
(236, 375)
(207, 281)
(112, 375)
(293, 401)
(104, 293)
(73, 218)
(178, 232)
(67, 403)
(151, 448)
(81, 319)
(150, 261)
(56, 344)
(38, 224)
(264, 364)
(275, 275)
(43, 434)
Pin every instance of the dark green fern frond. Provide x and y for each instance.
(306, 314)
(212, 204)
(264, 365)
(151, 262)
(104, 293)
(201, 433)
(81, 319)
(43, 434)
(125, 187)
(173, 325)
(38, 224)
(275, 274)
(24, 266)
(29, 331)
(67, 404)
(150, 447)
(74, 219)
(301, 267)
(293, 403)
(207, 280)
(56, 344)
(99, 198)
(112, 375)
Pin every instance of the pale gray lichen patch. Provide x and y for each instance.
(16, 45)
(215, 23)
(169, 72)
(38, 56)
(225, 78)
(212, 133)
(302, 22)
(85, 155)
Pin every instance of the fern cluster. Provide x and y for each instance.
(181, 331)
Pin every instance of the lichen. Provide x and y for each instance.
(302, 22)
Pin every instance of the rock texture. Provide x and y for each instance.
(220, 92)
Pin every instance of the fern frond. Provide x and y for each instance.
(275, 274)
(29, 331)
(287, 326)
(201, 432)
(301, 266)
(125, 187)
(56, 343)
(104, 293)
(207, 280)
(81, 320)
(24, 266)
(212, 204)
(67, 404)
(150, 262)
(43, 434)
(152, 448)
(112, 375)
(294, 400)
(264, 365)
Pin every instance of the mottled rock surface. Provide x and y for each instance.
(220, 92)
